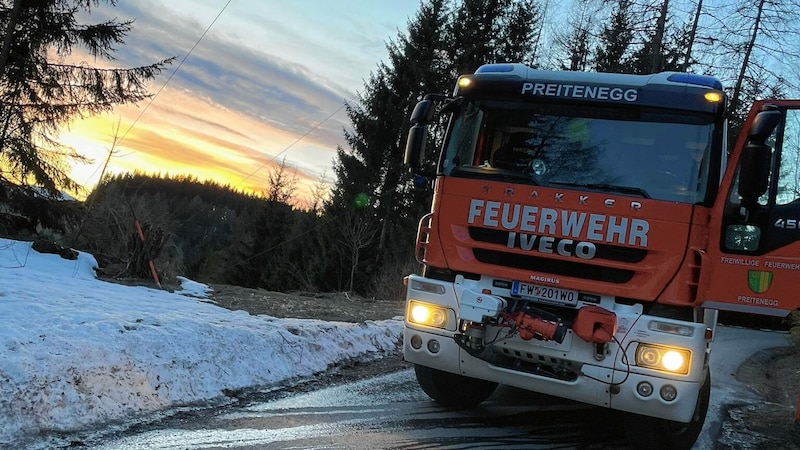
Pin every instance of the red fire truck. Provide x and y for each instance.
(586, 228)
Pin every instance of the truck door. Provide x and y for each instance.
(752, 262)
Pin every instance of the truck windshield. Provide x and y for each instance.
(640, 152)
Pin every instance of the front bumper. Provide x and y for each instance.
(613, 382)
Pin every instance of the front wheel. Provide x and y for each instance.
(451, 389)
(646, 432)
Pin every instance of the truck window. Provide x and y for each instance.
(664, 155)
(788, 189)
(464, 137)
(775, 221)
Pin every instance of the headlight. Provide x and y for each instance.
(667, 359)
(427, 314)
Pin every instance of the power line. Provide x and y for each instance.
(302, 136)
(257, 169)
(191, 50)
(119, 140)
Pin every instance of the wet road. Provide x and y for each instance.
(389, 412)
(392, 412)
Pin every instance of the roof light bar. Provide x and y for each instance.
(699, 80)
(495, 68)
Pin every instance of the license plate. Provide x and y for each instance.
(546, 294)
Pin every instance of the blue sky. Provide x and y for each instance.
(266, 74)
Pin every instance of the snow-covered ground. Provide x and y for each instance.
(76, 351)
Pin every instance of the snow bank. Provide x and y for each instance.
(76, 351)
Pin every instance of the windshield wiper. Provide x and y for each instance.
(608, 188)
(490, 172)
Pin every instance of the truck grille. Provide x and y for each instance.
(554, 266)
(604, 251)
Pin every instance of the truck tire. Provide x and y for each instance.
(652, 433)
(451, 389)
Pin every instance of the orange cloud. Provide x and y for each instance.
(179, 134)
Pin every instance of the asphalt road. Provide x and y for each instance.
(390, 411)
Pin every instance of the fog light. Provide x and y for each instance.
(416, 342)
(668, 392)
(433, 346)
(644, 389)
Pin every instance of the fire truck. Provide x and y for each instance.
(586, 229)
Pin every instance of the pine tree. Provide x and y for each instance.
(655, 45)
(575, 42)
(474, 32)
(753, 51)
(518, 39)
(40, 93)
(760, 24)
(370, 177)
(664, 45)
(281, 184)
(615, 41)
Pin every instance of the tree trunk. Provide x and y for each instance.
(353, 269)
(692, 34)
(658, 39)
(538, 41)
(737, 90)
(9, 37)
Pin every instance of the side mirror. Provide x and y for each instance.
(418, 134)
(756, 157)
(754, 173)
(417, 137)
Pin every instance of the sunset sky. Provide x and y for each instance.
(267, 82)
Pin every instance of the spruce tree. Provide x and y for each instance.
(474, 33)
(664, 45)
(615, 41)
(370, 177)
(40, 92)
(753, 51)
(519, 35)
(576, 40)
